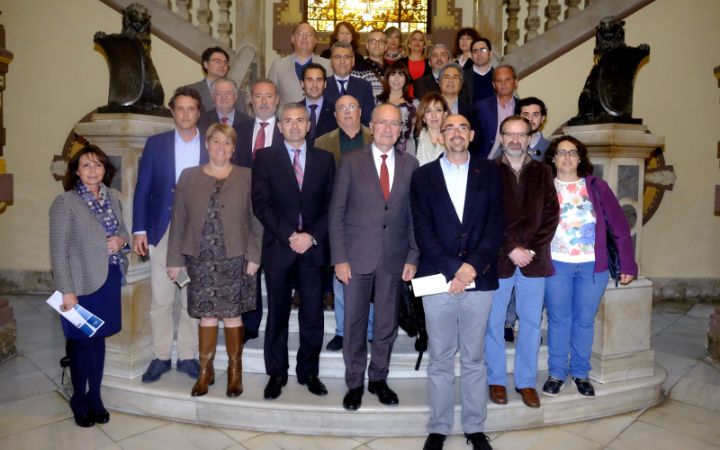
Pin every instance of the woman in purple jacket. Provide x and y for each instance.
(580, 259)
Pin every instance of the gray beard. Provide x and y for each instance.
(514, 153)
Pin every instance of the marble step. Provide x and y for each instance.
(298, 411)
(402, 362)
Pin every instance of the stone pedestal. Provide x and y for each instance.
(621, 348)
(122, 137)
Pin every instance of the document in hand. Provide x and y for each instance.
(83, 319)
(431, 285)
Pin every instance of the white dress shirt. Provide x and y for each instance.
(456, 183)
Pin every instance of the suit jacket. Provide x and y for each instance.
(210, 117)
(153, 200)
(358, 88)
(486, 123)
(242, 232)
(278, 202)
(538, 152)
(78, 244)
(532, 214)
(364, 228)
(331, 141)
(207, 101)
(446, 241)
(243, 156)
(325, 120)
(282, 73)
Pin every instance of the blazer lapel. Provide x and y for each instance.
(473, 180)
(438, 186)
(371, 173)
(282, 158)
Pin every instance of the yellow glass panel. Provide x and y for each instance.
(365, 15)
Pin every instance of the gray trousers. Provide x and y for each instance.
(357, 309)
(457, 322)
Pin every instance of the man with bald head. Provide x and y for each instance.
(373, 249)
(458, 195)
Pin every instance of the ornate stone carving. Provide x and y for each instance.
(532, 22)
(203, 16)
(134, 83)
(608, 92)
(183, 9)
(224, 27)
(552, 11)
(512, 34)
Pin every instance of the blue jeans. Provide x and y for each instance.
(572, 298)
(529, 302)
(340, 311)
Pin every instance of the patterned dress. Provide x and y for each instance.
(219, 286)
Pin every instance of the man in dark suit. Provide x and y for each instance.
(373, 248)
(457, 217)
(163, 159)
(451, 81)
(224, 94)
(342, 60)
(439, 57)
(291, 188)
(321, 111)
(491, 111)
(253, 135)
(478, 78)
(215, 65)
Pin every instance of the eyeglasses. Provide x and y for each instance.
(222, 62)
(514, 135)
(377, 41)
(348, 107)
(462, 129)
(340, 57)
(481, 50)
(567, 153)
(388, 123)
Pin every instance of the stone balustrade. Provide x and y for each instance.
(213, 17)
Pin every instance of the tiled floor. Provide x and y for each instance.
(34, 416)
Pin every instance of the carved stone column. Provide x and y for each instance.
(621, 347)
(512, 34)
(122, 137)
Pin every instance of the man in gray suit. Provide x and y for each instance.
(215, 64)
(286, 73)
(373, 248)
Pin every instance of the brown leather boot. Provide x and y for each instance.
(207, 337)
(234, 347)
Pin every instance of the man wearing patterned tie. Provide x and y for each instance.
(291, 189)
(254, 134)
(373, 248)
(342, 61)
(224, 93)
(320, 111)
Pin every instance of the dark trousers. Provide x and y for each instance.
(358, 293)
(251, 319)
(308, 280)
(87, 361)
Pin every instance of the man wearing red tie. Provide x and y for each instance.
(373, 248)
(291, 188)
(260, 131)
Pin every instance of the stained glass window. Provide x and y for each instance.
(365, 15)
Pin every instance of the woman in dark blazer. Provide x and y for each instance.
(214, 234)
(88, 242)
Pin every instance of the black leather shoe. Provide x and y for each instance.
(314, 385)
(100, 416)
(479, 441)
(84, 420)
(552, 386)
(386, 395)
(353, 398)
(249, 335)
(273, 389)
(584, 387)
(434, 441)
(335, 344)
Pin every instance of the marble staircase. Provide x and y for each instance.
(298, 411)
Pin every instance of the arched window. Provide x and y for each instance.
(365, 15)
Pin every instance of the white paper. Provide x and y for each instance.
(431, 285)
(83, 319)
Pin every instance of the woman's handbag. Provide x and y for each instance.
(613, 256)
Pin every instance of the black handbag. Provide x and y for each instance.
(613, 256)
(411, 318)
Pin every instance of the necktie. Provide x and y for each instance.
(224, 120)
(260, 138)
(384, 178)
(297, 168)
(342, 86)
(313, 119)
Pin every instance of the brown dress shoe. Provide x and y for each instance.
(529, 397)
(498, 394)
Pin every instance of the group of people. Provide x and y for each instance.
(325, 175)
